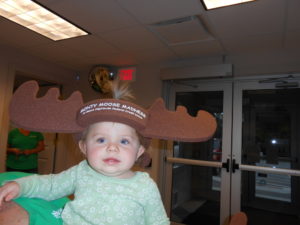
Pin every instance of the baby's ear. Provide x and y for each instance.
(144, 160)
(140, 151)
(82, 146)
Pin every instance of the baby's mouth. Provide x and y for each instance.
(111, 161)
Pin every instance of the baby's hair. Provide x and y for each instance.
(120, 90)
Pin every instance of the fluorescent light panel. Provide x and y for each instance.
(33, 16)
(212, 4)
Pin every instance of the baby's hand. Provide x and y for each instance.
(9, 191)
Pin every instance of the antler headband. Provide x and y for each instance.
(49, 114)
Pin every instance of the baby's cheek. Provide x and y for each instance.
(94, 155)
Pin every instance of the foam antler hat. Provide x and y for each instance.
(49, 114)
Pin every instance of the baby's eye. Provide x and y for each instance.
(100, 140)
(125, 141)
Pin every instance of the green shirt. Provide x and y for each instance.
(18, 140)
(100, 200)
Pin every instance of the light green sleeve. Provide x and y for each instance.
(155, 213)
(49, 187)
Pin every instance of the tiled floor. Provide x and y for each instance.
(208, 213)
(260, 217)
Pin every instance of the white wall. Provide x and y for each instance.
(34, 66)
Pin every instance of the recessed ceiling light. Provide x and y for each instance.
(39, 19)
(212, 4)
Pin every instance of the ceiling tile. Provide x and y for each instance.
(89, 46)
(119, 59)
(153, 11)
(203, 48)
(155, 55)
(182, 31)
(257, 43)
(15, 35)
(53, 52)
(93, 16)
(253, 18)
(269, 59)
(132, 39)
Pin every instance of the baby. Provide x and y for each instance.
(115, 133)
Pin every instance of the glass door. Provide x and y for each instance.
(194, 170)
(252, 162)
(266, 141)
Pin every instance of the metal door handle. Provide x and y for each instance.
(226, 165)
(235, 166)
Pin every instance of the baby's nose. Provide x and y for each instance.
(112, 147)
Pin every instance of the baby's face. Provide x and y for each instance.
(112, 148)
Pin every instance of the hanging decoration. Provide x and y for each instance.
(100, 78)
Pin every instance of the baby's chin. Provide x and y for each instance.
(119, 175)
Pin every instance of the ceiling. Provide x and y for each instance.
(132, 32)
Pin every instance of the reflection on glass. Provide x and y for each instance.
(195, 189)
(271, 137)
(273, 186)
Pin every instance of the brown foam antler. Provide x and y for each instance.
(49, 114)
(45, 114)
(179, 125)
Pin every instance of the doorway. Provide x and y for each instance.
(250, 164)
(47, 157)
